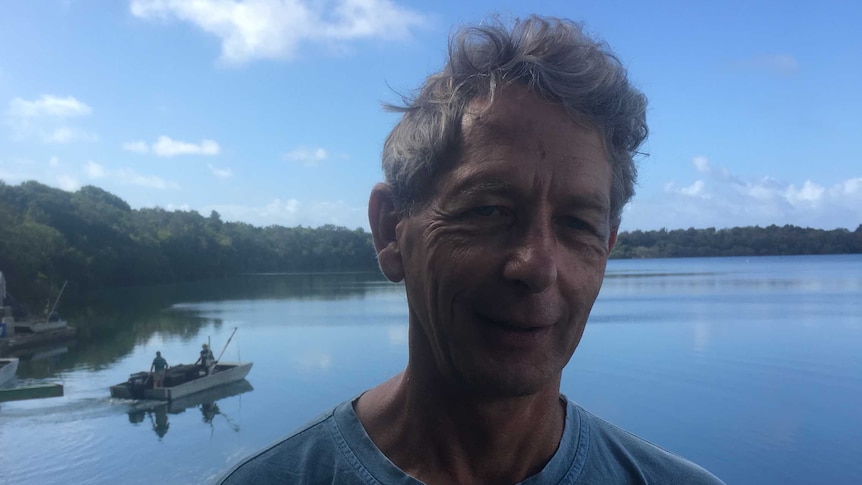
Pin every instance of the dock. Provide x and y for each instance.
(31, 392)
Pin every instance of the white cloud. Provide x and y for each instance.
(178, 207)
(724, 199)
(47, 118)
(222, 173)
(166, 147)
(126, 176)
(274, 29)
(809, 193)
(851, 188)
(53, 173)
(694, 190)
(48, 106)
(701, 164)
(65, 134)
(308, 156)
(136, 146)
(291, 212)
(68, 183)
(50, 172)
(130, 177)
(94, 170)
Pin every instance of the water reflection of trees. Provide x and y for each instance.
(111, 323)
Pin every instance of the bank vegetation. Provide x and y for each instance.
(94, 239)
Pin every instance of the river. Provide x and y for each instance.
(751, 367)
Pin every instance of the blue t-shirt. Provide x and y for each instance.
(334, 448)
(159, 363)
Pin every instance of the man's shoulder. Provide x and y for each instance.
(615, 452)
(322, 451)
(295, 458)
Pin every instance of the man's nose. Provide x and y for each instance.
(533, 261)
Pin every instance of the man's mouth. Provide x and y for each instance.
(513, 333)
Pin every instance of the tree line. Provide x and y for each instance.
(737, 241)
(94, 239)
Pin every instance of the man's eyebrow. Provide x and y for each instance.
(471, 187)
(588, 200)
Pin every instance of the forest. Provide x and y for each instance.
(94, 239)
(737, 241)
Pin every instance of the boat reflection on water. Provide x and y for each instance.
(206, 401)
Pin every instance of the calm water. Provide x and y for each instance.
(750, 367)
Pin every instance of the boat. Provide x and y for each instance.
(40, 326)
(180, 381)
(8, 368)
(18, 334)
(9, 391)
(19, 330)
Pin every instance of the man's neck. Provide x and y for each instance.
(442, 434)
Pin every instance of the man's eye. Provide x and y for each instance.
(486, 210)
(576, 223)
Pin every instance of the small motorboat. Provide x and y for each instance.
(180, 381)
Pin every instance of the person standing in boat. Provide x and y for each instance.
(207, 359)
(159, 365)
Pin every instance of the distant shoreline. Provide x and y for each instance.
(95, 240)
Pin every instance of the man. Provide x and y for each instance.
(206, 359)
(159, 365)
(505, 180)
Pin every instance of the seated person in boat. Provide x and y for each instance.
(159, 365)
(505, 180)
(206, 359)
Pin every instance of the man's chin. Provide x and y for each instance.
(509, 383)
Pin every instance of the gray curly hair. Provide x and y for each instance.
(552, 58)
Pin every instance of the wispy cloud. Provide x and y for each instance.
(724, 199)
(292, 212)
(781, 64)
(126, 176)
(167, 147)
(48, 106)
(94, 170)
(222, 173)
(68, 182)
(308, 156)
(48, 118)
(274, 29)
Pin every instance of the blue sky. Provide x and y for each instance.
(268, 111)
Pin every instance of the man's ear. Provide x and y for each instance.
(383, 218)
(612, 239)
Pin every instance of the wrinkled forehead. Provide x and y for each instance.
(524, 145)
(516, 113)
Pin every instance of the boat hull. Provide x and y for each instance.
(34, 339)
(224, 373)
(8, 368)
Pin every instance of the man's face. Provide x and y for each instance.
(503, 263)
